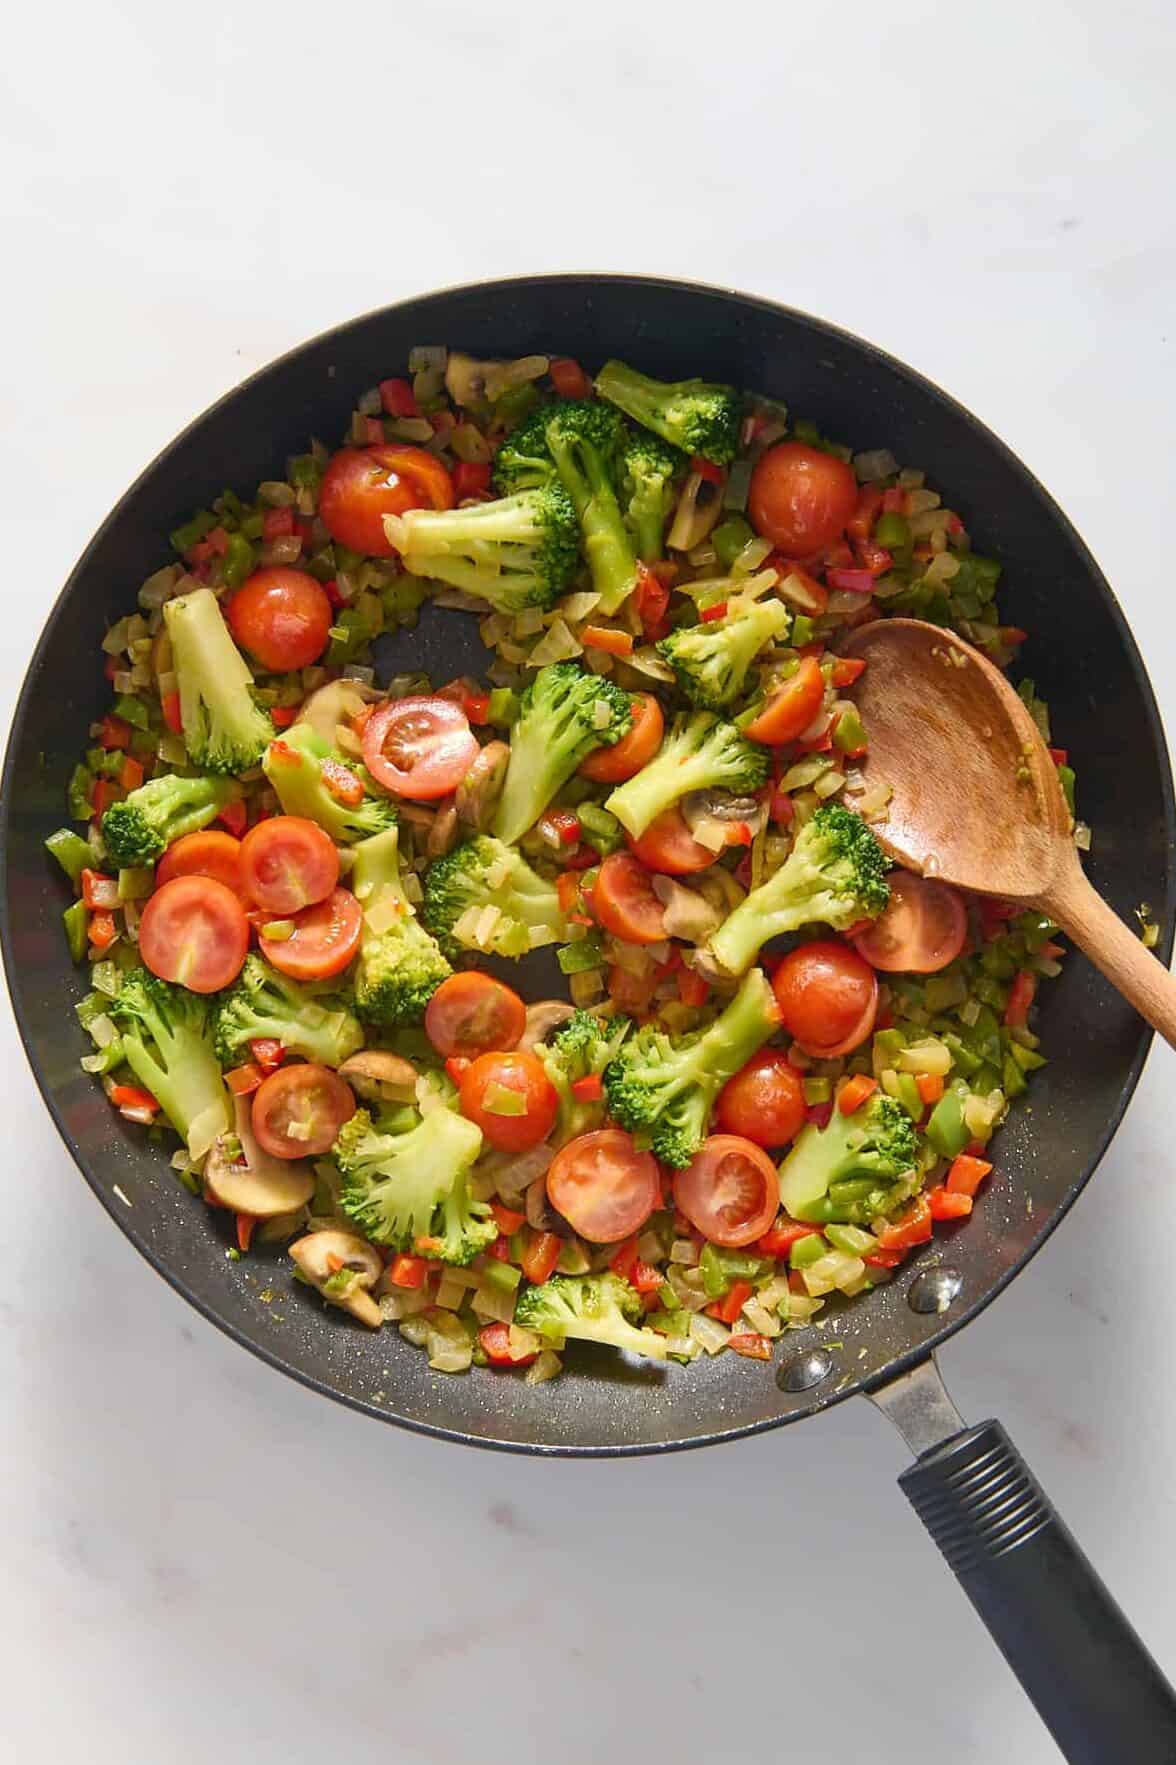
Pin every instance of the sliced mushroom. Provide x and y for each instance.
(443, 833)
(542, 1018)
(477, 795)
(263, 1186)
(380, 1077)
(704, 964)
(688, 914)
(323, 1256)
(699, 507)
(334, 704)
(720, 889)
(470, 382)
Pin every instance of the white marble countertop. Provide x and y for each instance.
(201, 1560)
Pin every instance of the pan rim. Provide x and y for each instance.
(819, 328)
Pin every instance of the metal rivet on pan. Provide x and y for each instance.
(804, 1371)
(935, 1290)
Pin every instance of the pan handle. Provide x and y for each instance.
(1094, 1684)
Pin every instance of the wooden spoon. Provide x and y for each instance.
(976, 799)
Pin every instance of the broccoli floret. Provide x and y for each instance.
(411, 1190)
(524, 461)
(834, 875)
(138, 830)
(648, 470)
(564, 714)
(711, 659)
(519, 552)
(585, 438)
(699, 753)
(482, 873)
(694, 415)
(301, 767)
(224, 731)
(399, 966)
(664, 1089)
(168, 1044)
(856, 1167)
(580, 1049)
(264, 1005)
(593, 1308)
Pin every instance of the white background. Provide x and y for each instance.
(202, 1561)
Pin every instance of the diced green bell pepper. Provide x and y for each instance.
(76, 919)
(71, 851)
(730, 537)
(946, 1129)
(808, 1250)
(585, 953)
(238, 560)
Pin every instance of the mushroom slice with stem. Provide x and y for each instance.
(478, 793)
(262, 1186)
(688, 914)
(543, 1017)
(344, 1269)
(380, 1077)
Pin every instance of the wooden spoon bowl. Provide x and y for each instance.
(975, 798)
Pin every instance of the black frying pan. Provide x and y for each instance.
(1087, 1672)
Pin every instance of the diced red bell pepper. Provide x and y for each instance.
(847, 669)
(589, 1089)
(564, 824)
(716, 610)
(1060, 756)
(114, 665)
(948, 1204)
(608, 639)
(268, 1053)
(331, 590)
(234, 815)
(407, 1271)
(471, 478)
(277, 524)
(874, 558)
(99, 890)
(171, 713)
(102, 930)
(1021, 995)
(708, 470)
(966, 1174)
(398, 398)
(115, 732)
(132, 774)
(495, 1341)
(692, 989)
(507, 1219)
(540, 1257)
(283, 716)
(733, 1301)
(751, 1346)
(455, 1066)
(631, 993)
(583, 859)
(132, 1097)
(779, 1239)
(929, 1086)
(894, 501)
(653, 598)
(854, 1092)
(500, 1249)
(819, 1114)
(625, 1259)
(245, 1225)
(913, 1227)
(569, 378)
(869, 505)
(646, 1278)
(885, 1259)
(850, 581)
(104, 793)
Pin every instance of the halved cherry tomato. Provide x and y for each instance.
(792, 708)
(472, 1013)
(207, 853)
(288, 863)
(923, 928)
(603, 1186)
(764, 1102)
(828, 997)
(729, 1190)
(485, 1085)
(495, 1341)
(325, 938)
(281, 617)
(362, 485)
(298, 1111)
(669, 846)
(624, 902)
(634, 750)
(419, 748)
(194, 931)
(801, 498)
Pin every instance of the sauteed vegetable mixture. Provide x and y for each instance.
(777, 1064)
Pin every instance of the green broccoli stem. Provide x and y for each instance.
(554, 731)
(293, 763)
(698, 754)
(612, 562)
(167, 1043)
(224, 730)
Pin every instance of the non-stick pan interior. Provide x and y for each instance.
(1080, 653)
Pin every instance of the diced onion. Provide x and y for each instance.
(425, 356)
(547, 1366)
(875, 463)
(738, 483)
(709, 1333)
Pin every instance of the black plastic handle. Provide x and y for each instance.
(1093, 1682)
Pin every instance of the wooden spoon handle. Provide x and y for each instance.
(1112, 946)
